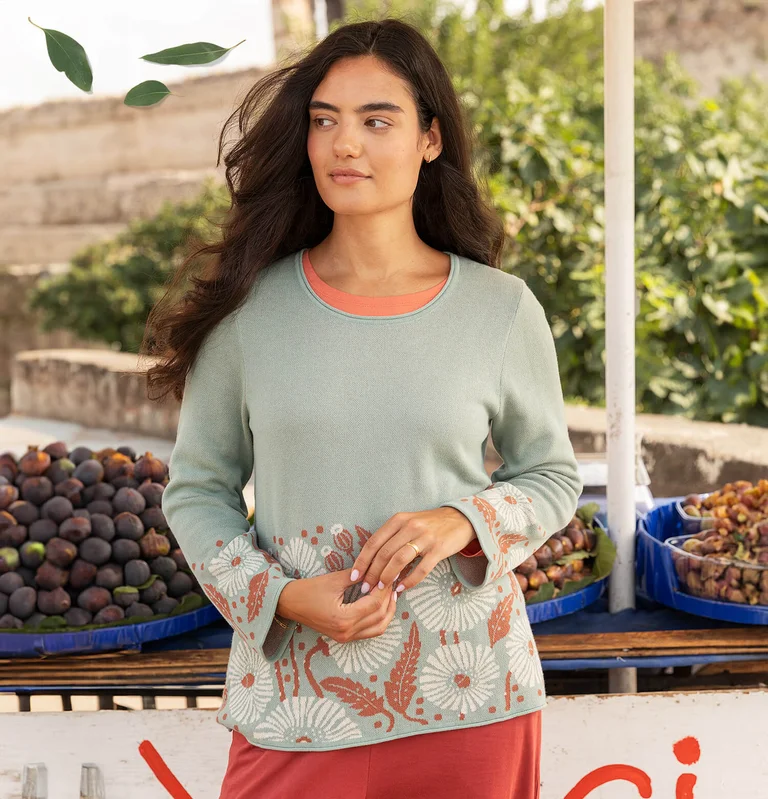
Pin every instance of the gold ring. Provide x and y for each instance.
(410, 544)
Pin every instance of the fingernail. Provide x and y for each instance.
(380, 585)
(355, 574)
(365, 588)
(399, 588)
(394, 594)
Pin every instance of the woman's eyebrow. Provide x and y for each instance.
(376, 106)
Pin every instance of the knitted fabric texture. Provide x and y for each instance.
(344, 420)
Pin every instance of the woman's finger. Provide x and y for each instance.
(369, 629)
(417, 573)
(372, 546)
(395, 555)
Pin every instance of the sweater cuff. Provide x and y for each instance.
(245, 584)
(506, 527)
(472, 549)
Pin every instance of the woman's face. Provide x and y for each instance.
(382, 140)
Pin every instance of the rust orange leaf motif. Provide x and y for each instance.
(509, 539)
(219, 600)
(256, 592)
(362, 535)
(401, 686)
(487, 510)
(365, 701)
(498, 623)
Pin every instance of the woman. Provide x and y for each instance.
(352, 344)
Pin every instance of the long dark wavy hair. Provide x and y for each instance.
(275, 206)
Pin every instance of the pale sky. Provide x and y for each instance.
(115, 35)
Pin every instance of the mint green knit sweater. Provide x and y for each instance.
(344, 420)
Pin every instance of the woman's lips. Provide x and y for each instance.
(347, 178)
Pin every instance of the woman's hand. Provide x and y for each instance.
(438, 533)
(318, 602)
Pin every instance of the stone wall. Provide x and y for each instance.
(682, 455)
(20, 330)
(77, 171)
(713, 38)
(93, 388)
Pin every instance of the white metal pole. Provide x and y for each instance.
(619, 46)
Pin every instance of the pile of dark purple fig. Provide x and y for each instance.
(567, 557)
(84, 542)
(728, 560)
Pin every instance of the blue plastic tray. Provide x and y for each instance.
(657, 578)
(572, 603)
(126, 636)
(562, 606)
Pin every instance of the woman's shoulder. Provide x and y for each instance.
(491, 284)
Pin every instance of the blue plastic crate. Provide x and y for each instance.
(657, 579)
(125, 636)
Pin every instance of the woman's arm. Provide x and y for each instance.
(211, 462)
(535, 492)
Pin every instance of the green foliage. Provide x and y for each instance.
(534, 95)
(112, 285)
(68, 56)
(148, 92)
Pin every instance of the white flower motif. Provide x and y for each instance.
(249, 684)
(336, 528)
(513, 509)
(524, 661)
(306, 719)
(440, 601)
(299, 559)
(365, 655)
(459, 677)
(235, 565)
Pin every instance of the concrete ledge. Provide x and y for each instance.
(92, 388)
(681, 455)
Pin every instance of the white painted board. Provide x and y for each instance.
(614, 737)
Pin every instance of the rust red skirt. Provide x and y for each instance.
(496, 761)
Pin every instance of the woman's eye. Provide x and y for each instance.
(317, 121)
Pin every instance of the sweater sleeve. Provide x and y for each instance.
(203, 503)
(535, 492)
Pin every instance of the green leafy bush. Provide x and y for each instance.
(111, 286)
(534, 93)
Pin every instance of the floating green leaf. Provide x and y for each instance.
(189, 54)
(148, 92)
(69, 57)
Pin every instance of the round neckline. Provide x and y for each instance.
(390, 300)
(449, 281)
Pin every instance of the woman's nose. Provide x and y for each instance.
(346, 141)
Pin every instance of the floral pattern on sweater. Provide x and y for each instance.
(485, 642)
